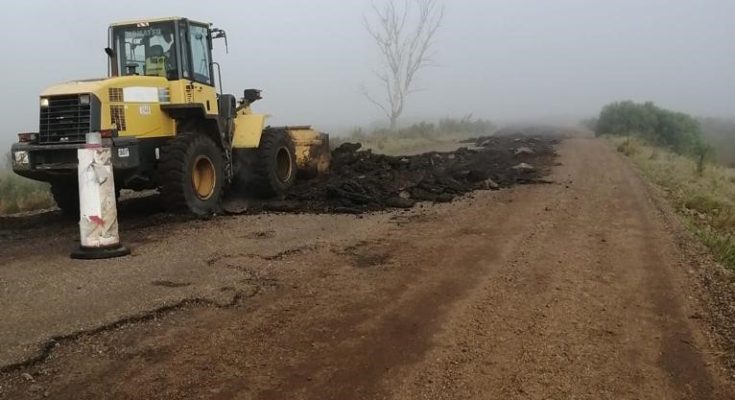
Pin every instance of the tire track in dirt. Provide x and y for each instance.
(592, 306)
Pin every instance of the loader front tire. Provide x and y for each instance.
(275, 164)
(191, 174)
(66, 196)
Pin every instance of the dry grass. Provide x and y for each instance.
(19, 194)
(706, 199)
(396, 145)
(417, 136)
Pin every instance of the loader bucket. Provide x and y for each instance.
(313, 155)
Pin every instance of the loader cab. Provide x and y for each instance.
(173, 48)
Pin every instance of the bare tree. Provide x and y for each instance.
(404, 34)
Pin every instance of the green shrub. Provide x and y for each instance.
(627, 117)
(674, 130)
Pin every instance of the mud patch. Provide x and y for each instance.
(367, 254)
(371, 259)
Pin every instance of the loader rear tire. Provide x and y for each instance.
(66, 196)
(275, 164)
(191, 174)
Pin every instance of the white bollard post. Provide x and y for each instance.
(98, 231)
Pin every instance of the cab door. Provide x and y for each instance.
(198, 67)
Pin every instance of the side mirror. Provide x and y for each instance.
(220, 34)
(251, 95)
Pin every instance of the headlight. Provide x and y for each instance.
(21, 157)
(84, 99)
(26, 137)
(44, 102)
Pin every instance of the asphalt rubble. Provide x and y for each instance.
(359, 181)
(363, 181)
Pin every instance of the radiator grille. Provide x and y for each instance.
(116, 95)
(117, 116)
(64, 120)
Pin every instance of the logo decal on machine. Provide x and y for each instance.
(145, 109)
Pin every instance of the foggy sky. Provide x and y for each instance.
(502, 60)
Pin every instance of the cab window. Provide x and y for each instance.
(147, 50)
(201, 63)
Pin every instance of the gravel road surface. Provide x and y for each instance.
(574, 289)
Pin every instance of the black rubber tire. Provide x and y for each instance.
(175, 167)
(66, 196)
(274, 174)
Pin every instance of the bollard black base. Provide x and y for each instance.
(98, 253)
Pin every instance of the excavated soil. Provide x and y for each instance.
(361, 180)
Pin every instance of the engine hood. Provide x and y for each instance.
(99, 86)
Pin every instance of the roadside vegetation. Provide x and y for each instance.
(706, 199)
(418, 136)
(19, 194)
(673, 152)
(678, 132)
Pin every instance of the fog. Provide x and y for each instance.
(502, 60)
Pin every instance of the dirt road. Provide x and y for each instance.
(574, 289)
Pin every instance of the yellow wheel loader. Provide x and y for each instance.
(170, 126)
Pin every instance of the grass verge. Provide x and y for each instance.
(705, 198)
(19, 194)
